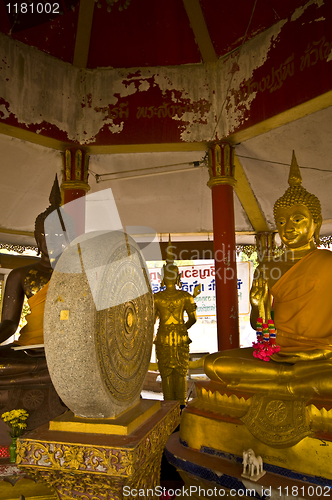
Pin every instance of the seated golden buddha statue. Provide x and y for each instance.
(280, 408)
(300, 285)
(23, 366)
(172, 340)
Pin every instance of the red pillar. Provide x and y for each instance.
(74, 185)
(222, 181)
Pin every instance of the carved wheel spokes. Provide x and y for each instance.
(124, 330)
(276, 411)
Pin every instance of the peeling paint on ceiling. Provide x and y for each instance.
(252, 56)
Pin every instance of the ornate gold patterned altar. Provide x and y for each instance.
(98, 466)
(292, 435)
(287, 432)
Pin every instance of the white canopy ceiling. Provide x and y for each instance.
(175, 198)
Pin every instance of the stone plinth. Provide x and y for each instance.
(99, 466)
(122, 425)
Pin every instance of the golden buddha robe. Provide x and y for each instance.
(32, 332)
(303, 305)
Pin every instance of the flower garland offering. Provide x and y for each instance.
(266, 340)
(16, 419)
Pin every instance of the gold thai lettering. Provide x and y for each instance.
(167, 110)
(114, 112)
(141, 112)
(270, 82)
(278, 76)
(315, 51)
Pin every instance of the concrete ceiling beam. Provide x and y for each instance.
(198, 25)
(248, 199)
(83, 33)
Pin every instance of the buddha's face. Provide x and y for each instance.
(41, 242)
(51, 246)
(295, 225)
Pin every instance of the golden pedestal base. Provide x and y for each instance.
(310, 456)
(293, 436)
(100, 466)
(207, 476)
(286, 432)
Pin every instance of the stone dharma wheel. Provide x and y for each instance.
(98, 324)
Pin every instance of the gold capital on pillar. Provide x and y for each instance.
(75, 185)
(75, 170)
(266, 246)
(221, 164)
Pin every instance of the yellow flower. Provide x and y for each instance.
(16, 420)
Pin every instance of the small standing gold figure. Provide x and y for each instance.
(172, 340)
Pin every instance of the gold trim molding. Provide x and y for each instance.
(217, 181)
(75, 185)
(122, 425)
